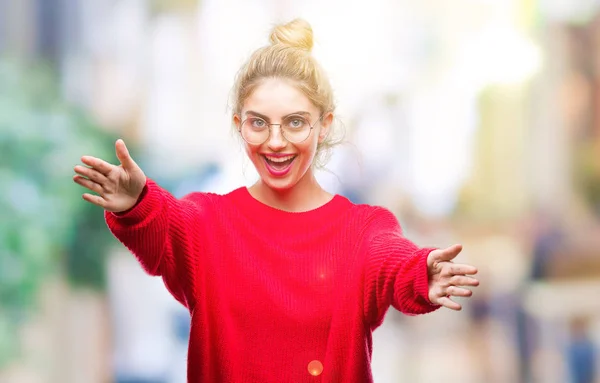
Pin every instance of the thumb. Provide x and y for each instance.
(446, 254)
(123, 155)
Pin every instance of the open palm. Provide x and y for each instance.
(447, 279)
(117, 187)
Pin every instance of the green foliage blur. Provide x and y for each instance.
(587, 173)
(45, 226)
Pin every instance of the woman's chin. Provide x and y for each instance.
(279, 184)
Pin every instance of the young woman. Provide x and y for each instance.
(284, 281)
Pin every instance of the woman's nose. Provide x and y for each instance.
(276, 140)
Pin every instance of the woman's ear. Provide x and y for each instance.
(236, 120)
(326, 121)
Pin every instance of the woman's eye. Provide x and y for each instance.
(258, 123)
(296, 123)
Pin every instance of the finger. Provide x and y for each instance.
(458, 291)
(100, 165)
(461, 269)
(449, 303)
(460, 280)
(124, 156)
(87, 183)
(96, 200)
(90, 173)
(448, 253)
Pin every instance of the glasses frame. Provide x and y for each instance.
(282, 131)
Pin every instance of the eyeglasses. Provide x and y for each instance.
(294, 128)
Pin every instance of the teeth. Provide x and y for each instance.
(279, 159)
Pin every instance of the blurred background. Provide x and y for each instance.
(475, 121)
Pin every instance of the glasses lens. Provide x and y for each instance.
(296, 128)
(255, 130)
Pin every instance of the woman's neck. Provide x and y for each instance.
(306, 195)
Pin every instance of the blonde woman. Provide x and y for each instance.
(284, 281)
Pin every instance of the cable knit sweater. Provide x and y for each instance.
(276, 296)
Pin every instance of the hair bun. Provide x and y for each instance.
(297, 33)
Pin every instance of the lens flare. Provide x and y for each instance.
(315, 368)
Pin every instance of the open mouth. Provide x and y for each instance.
(279, 165)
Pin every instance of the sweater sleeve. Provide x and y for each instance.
(395, 270)
(164, 233)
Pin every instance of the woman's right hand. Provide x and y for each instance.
(118, 187)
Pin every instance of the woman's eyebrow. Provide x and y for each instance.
(300, 112)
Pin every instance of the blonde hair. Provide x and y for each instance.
(289, 57)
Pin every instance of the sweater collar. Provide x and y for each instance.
(336, 206)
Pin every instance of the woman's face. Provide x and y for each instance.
(281, 163)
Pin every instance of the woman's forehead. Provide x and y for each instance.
(277, 98)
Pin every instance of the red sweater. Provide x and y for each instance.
(270, 291)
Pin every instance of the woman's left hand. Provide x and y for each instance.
(447, 279)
